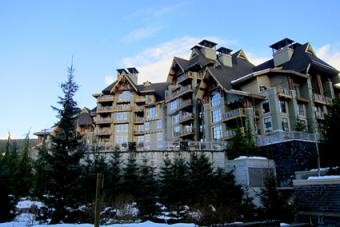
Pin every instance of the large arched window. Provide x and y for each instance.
(125, 95)
(216, 99)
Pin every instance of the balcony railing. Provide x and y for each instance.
(182, 78)
(185, 103)
(182, 90)
(140, 99)
(228, 134)
(103, 132)
(139, 120)
(284, 92)
(138, 108)
(105, 98)
(187, 131)
(233, 114)
(281, 136)
(103, 120)
(185, 117)
(319, 115)
(118, 108)
(105, 109)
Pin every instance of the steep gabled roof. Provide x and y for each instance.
(155, 88)
(182, 63)
(108, 89)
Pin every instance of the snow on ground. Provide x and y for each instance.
(251, 157)
(329, 177)
(143, 224)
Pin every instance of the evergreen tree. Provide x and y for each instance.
(242, 143)
(113, 178)
(201, 173)
(42, 168)
(23, 173)
(130, 177)
(331, 130)
(147, 190)
(62, 160)
(166, 179)
(275, 204)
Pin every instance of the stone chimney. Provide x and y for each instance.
(282, 51)
(224, 56)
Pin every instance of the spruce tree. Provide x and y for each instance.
(130, 177)
(166, 179)
(23, 174)
(62, 160)
(112, 183)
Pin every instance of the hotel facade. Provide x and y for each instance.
(212, 93)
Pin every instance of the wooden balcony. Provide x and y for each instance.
(138, 131)
(321, 99)
(187, 117)
(104, 109)
(181, 91)
(284, 92)
(185, 103)
(103, 132)
(184, 77)
(187, 132)
(102, 120)
(121, 108)
(139, 120)
(105, 98)
(319, 115)
(140, 99)
(237, 113)
(138, 109)
(229, 134)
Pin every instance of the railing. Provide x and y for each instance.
(140, 99)
(319, 98)
(105, 98)
(320, 115)
(185, 117)
(121, 107)
(139, 119)
(283, 91)
(281, 136)
(185, 103)
(182, 78)
(103, 132)
(102, 120)
(186, 131)
(229, 134)
(105, 109)
(138, 108)
(180, 91)
(234, 113)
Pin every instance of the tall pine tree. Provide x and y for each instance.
(62, 161)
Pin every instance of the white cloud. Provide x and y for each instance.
(255, 59)
(329, 54)
(141, 33)
(109, 79)
(154, 63)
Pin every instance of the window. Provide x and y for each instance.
(152, 112)
(175, 119)
(301, 109)
(216, 99)
(159, 137)
(265, 107)
(121, 139)
(159, 124)
(285, 126)
(147, 138)
(140, 139)
(125, 95)
(216, 115)
(283, 106)
(267, 124)
(258, 176)
(176, 130)
(121, 116)
(147, 126)
(173, 105)
(122, 128)
(217, 132)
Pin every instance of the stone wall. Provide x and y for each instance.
(289, 157)
(318, 200)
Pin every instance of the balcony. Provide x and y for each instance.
(185, 103)
(284, 92)
(103, 120)
(319, 115)
(187, 131)
(182, 78)
(321, 99)
(234, 114)
(181, 91)
(105, 98)
(139, 131)
(229, 134)
(104, 109)
(186, 117)
(281, 136)
(139, 99)
(138, 109)
(139, 120)
(121, 108)
(103, 132)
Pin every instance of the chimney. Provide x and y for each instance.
(224, 56)
(282, 51)
(208, 49)
(133, 74)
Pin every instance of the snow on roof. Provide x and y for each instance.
(331, 177)
(251, 157)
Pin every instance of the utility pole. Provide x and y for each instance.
(98, 199)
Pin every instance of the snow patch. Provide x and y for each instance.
(251, 157)
(332, 177)
(26, 204)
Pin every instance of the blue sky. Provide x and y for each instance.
(38, 39)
